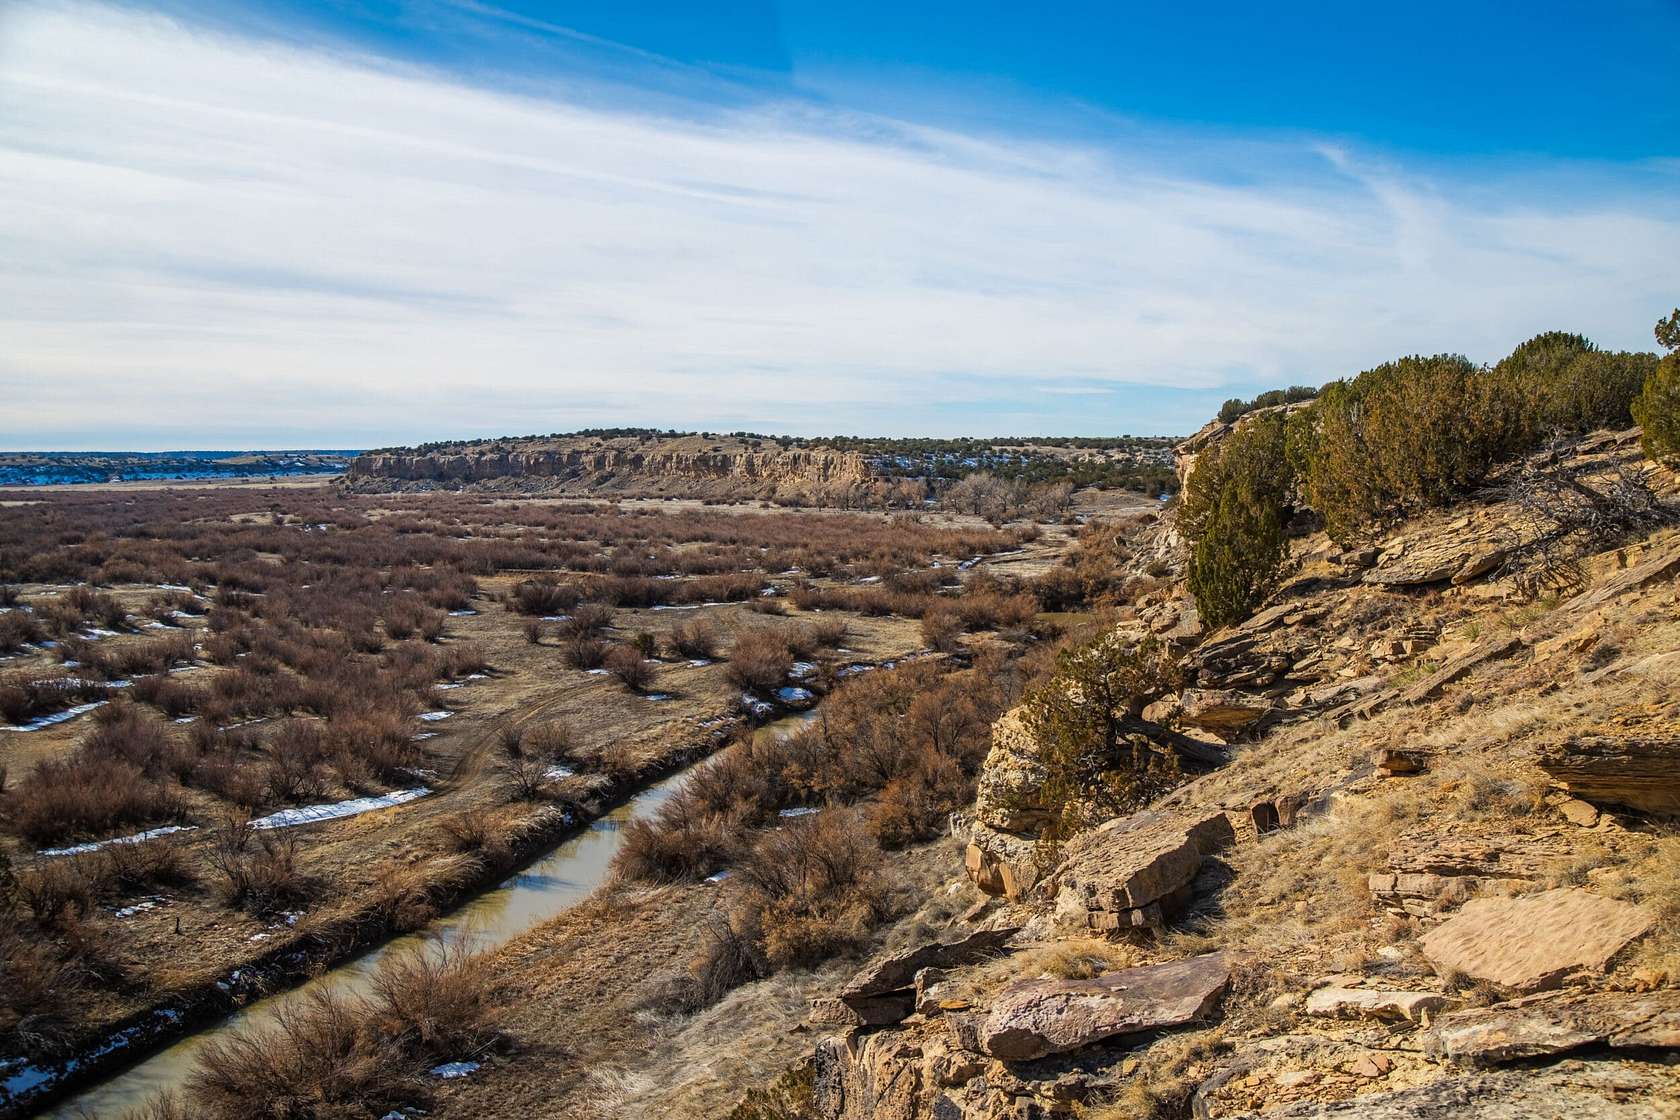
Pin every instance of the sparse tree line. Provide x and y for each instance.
(1408, 435)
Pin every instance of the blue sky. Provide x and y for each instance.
(361, 222)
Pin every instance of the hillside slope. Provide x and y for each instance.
(1437, 876)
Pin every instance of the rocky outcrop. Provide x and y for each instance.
(1631, 773)
(1429, 878)
(1603, 1090)
(1536, 941)
(894, 972)
(1033, 1018)
(1337, 1002)
(1225, 712)
(1555, 1024)
(1000, 863)
(674, 463)
(1011, 778)
(1135, 871)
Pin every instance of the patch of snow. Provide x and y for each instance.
(139, 907)
(334, 810)
(433, 717)
(799, 811)
(423, 736)
(56, 717)
(699, 662)
(794, 695)
(597, 672)
(718, 877)
(465, 612)
(870, 579)
(802, 670)
(657, 696)
(556, 618)
(557, 771)
(451, 1070)
(137, 838)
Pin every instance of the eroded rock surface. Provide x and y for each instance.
(1133, 871)
(1536, 941)
(1633, 773)
(1010, 780)
(1033, 1018)
(1555, 1024)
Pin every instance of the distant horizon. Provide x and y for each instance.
(288, 221)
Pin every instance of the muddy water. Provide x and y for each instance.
(562, 878)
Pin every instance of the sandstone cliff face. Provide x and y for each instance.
(807, 467)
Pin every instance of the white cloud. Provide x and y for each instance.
(269, 240)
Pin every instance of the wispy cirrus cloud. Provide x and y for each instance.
(204, 234)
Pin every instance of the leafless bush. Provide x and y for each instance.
(696, 638)
(61, 801)
(942, 630)
(535, 596)
(157, 862)
(758, 662)
(818, 887)
(579, 652)
(588, 620)
(261, 869)
(1577, 509)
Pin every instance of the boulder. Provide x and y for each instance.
(1127, 871)
(1222, 711)
(1033, 1018)
(1371, 1003)
(1007, 797)
(870, 1011)
(895, 971)
(1391, 761)
(1576, 811)
(1536, 941)
(999, 863)
(1533, 1028)
(1412, 563)
(1632, 773)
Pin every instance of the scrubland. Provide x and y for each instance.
(195, 682)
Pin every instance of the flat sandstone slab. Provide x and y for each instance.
(1534, 942)
(1033, 1018)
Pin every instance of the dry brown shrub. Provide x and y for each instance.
(758, 662)
(697, 638)
(627, 664)
(942, 630)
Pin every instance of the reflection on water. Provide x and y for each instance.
(560, 879)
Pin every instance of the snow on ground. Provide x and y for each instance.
(137, 838)
(334, 810)
(433, 717)
(56, 717)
